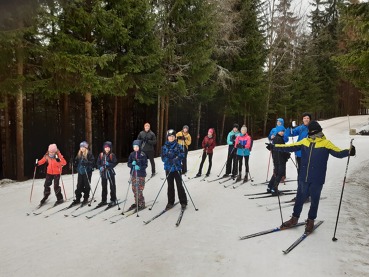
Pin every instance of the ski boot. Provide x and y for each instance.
(309, 226)
(291, 222)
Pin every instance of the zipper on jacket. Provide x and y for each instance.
(308, 166)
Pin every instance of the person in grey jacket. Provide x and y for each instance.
(148, 139)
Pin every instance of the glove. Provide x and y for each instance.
(101, 168)
(107, 163)
(233, 137)
(239, 146)
(352, 151)
(137, 167)
(134, 163)
(269, 146)
(180, 137)
(57, 158)
(207, 145)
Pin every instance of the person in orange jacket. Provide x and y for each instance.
(55, 162)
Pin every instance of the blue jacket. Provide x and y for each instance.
(141, 160)
(273, 132)
(301, 131)
(231, 138)
(314, 157)
(172, 155)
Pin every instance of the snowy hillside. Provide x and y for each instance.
(207, 241)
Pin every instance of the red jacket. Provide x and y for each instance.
(53, 167)
(208, 144)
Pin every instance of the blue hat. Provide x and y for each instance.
(136, 142)
(281, 120)
(280, 129)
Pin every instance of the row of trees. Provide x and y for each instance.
(98, 70)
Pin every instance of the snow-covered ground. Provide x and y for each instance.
(207, 241)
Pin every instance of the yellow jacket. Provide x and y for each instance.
(183, 139)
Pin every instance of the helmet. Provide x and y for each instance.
(171, 132)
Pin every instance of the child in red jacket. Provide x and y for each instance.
(208, 144)
(55, 162)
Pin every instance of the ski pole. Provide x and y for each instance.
(129, 184)
(73, 176)
(33, 181)
(197, 162)
(61, 179)
(89, 204)
(89, 182)
(184, 184)
(270, 155)
(136, 184)
(166, 177)
(228, 157)
(343, 186)
(279, 201)
(115, 189)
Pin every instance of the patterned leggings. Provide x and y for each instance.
(138, 182)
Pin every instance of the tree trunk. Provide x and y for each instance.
(88, 119)
(6, 140)
(115, 121)
(198, 126)
(158, 128)
(222, 127)
(68, 144)
(166, 113)
(162, 100)
(19, 114)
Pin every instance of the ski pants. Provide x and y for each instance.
(48, 182)
(138, 185)
(83, 186)
(304, 190)
(240, 158)
(171, 191)
(184, 161)
(104, 184)
(231, 161)
(210, 155)
(150, 155)
(278, 172)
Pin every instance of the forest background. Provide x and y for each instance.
(74, 70)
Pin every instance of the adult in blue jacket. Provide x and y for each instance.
(315, 151)
(302, 132)
(232, 157)
(172, 155)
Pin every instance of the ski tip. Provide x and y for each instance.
(285, 252)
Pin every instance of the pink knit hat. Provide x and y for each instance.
(52, 148)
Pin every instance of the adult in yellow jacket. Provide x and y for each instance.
(184, 140)
(315, 151)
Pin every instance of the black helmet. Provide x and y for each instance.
(171, 132)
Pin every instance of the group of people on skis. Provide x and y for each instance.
(311, 152)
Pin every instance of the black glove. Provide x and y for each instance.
(239, 146)
(57, 158)
(269, 146)
(233, 137)
(207, 145)
(180, 137)
(352, 151)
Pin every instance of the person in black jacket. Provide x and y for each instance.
(279, 161)
(106, 163)
(84, 162)
(148, 139)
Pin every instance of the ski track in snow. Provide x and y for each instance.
(206, 243)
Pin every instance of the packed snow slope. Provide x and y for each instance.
(207, 241)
